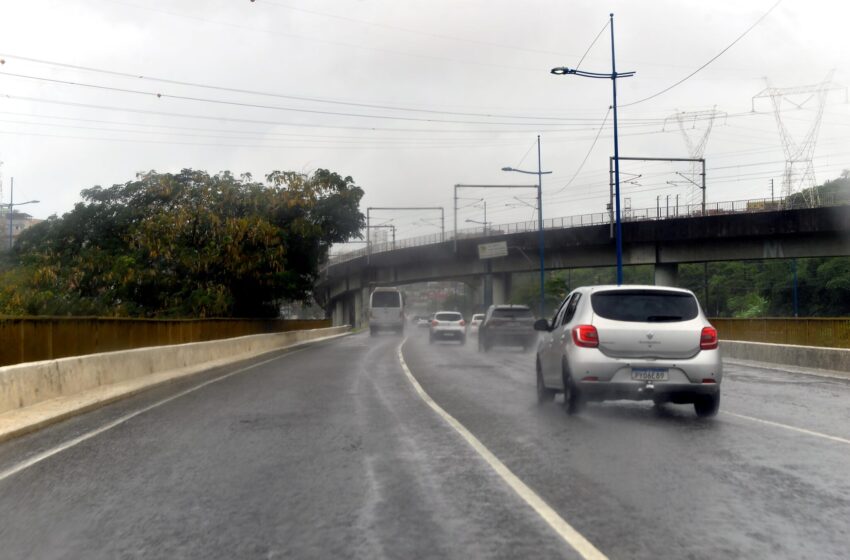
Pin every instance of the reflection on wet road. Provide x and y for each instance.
(642, 481)
(330, 452)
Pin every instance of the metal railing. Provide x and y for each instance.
(29, 339)
(832, 333)
(747, 206)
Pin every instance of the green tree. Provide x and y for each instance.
(184, 244)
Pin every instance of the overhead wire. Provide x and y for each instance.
(587, 155)
(712, 59)
(312, 99)
(604, 27)
(160, 95)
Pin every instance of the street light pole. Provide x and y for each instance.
(540, 237)
(12, 209)
(616, 160)
(613, 76)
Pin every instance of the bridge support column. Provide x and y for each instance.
(667, 274)
(501, 289)
(338, 315)
(359, 313)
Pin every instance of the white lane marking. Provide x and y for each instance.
(39, 457)
(792, 428)
(572, 537)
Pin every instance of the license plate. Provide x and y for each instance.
(649, 374)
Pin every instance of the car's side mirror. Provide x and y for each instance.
(541, 325)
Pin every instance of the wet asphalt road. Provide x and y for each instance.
(328, 452)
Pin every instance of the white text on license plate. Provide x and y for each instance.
(649, 374)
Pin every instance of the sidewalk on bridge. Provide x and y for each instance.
(20, 421)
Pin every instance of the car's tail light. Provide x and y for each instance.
(586, 336)
(709, 380)
(590, 378)
(708, 338)
(462, 323)
(434, 323)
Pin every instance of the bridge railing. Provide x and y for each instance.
(815, 331)
(658, 212)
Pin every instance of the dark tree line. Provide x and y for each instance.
(187, 244)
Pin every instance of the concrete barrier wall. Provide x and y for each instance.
(835, 359)
(23, 385)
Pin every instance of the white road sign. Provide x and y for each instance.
(493, 250)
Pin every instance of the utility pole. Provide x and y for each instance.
(771, 190)
(613, 76)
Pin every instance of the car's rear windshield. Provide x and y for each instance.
(386, 299)
(477, 317)
(518, 313)
(448, 316)
(645, 306)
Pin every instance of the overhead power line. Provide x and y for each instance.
(311, 99)
(160, 95)
(712, 59)
(587, 155)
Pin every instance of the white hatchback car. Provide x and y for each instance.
(447, 325)
(630, 342)
(475, 323)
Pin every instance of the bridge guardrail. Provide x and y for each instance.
(594, 219)
(30, 339)
(809, 331)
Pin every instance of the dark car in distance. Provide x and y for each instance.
(507, 325)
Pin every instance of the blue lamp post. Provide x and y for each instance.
(613, 75)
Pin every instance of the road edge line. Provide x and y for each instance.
(55, 450)
(568, 534)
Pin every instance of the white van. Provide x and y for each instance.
(386, 310)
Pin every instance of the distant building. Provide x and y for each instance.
(19, 222)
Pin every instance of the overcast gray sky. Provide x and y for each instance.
(472, 78)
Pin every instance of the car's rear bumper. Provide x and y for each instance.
(601, 377)
(448, 333)
(679, 393)
(510, 338)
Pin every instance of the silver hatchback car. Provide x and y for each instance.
(629, 342)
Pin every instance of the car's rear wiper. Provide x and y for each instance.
(663, 318)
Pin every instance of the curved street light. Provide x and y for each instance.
(540, 238)
(613, 75)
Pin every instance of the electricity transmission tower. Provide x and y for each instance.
(799, 172)
(696, 142)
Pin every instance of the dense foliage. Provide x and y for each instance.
(188, 244)
(735, 289)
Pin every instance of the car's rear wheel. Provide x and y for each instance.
(573, 401)
(544, 394)
(707, 406)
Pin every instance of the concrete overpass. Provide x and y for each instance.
(754, 232)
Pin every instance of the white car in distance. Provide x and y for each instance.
(475, 323)
(447, 325)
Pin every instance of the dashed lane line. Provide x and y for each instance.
(564, 530)
(791, 428)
